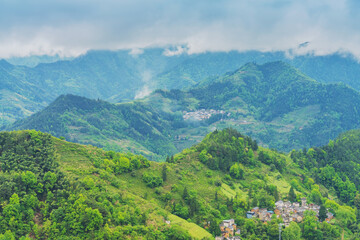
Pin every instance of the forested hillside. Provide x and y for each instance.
(335, 165)
(53, 189)
(124, 75)
(274, 103)
(134, 127)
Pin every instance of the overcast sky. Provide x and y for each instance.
(71, 27)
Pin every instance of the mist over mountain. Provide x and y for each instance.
(123, 75)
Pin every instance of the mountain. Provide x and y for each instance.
(98, 74)
(123, 75)
(56, 189)
(18, 98)
(135, 127)
(34, 60)
(274, 103)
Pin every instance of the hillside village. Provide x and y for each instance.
(228, 230)
(288, 211)
(202, 114)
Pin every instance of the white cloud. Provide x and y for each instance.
(70, 28)
(136, 51)
(174, 52)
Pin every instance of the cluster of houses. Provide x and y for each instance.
(288, 211)
(228, 230)
(202, 114)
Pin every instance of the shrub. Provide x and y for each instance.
(151, 180)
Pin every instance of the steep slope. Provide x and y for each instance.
(59, 189)
(131, 127)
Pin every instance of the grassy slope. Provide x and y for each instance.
(76, 161)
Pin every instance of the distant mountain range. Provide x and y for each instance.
(34, 60)
(118, 76)
(274, 103)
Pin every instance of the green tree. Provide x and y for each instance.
(315, 196)
(357, 201)
(322, 213)
(185, 195)
(345, 215)
(152, 180)
(7, 236)
(177, 233)
(49, 179)
(310, 226)
(292, 195)
(214, 228)
(92, 219)
(236, 172)
(204, 156)
(251, 155)
(292, 232)
(29, 179)
(164, 173)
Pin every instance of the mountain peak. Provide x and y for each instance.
(68, 101)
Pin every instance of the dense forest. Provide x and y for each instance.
(53, 189)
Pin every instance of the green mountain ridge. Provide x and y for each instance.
(122, 76)
(53, 189)
(274, 103)
(132, 127)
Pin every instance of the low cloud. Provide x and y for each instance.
(70, 28)
(146, 77)
(174, 52)
(145, 91)
(136, 51)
